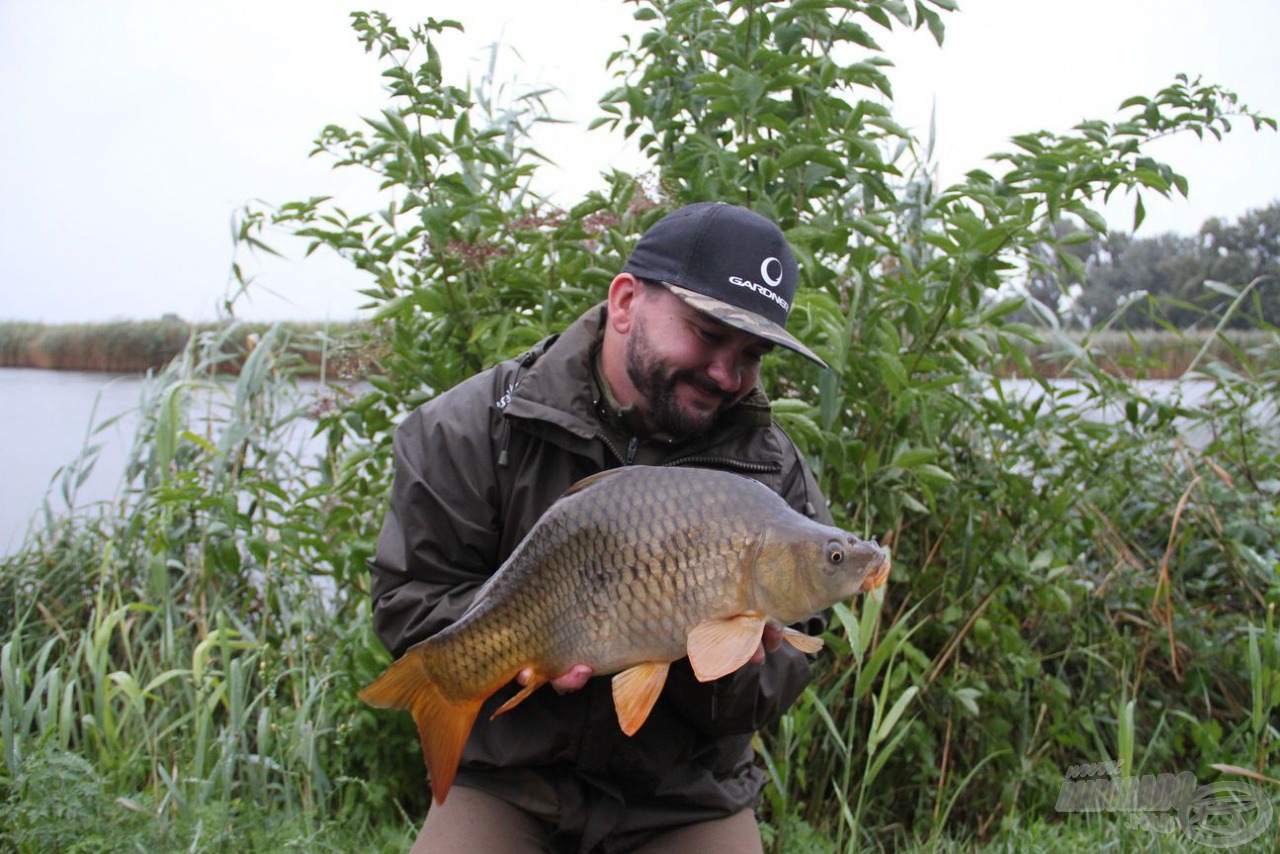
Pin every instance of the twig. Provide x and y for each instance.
(1165, 585)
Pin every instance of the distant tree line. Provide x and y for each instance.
(1167, 280)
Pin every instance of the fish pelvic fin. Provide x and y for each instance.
(443, 724)
(805, 643)
(536, 681)
(635, 690)
(719, 647)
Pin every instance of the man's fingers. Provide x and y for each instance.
(572, 679)
(772, 638)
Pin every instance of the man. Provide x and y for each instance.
(665, 372)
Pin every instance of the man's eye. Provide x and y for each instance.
(708, 336)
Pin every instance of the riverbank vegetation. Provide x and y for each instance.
(136, 346)
(1082, 574)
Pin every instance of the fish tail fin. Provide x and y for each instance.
(443, 724)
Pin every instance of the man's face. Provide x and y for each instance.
(686, 366)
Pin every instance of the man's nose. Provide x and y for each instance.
(725, 371)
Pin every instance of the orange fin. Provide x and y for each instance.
(635, 690)
(443, 725)
(801, 641)
(536, 681)
(719, 647)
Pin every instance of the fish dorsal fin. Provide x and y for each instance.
(805, 643)
(590, 480)
(719, 647)
(635, 690)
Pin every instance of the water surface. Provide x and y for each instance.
(46, 425)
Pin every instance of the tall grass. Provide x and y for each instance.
(186, 656)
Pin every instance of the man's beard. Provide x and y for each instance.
(657, 386)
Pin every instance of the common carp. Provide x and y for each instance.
(628, 571)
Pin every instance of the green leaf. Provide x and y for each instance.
(890, 720)
(911, 457)
(967, 697)
(932, 473)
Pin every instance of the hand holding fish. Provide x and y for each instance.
(571, 680)
(769, 642)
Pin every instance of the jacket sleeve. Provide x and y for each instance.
(757, 695)
(439, 541)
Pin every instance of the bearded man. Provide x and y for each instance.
(665, 372)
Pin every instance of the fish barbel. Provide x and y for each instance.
(630, 570)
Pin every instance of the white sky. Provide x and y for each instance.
(134, 129)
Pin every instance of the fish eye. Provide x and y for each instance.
(835, 553)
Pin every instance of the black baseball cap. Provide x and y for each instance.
(728, 262)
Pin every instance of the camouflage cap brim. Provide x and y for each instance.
(741, 319)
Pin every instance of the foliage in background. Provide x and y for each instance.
(1082, 572)
(1170, 280)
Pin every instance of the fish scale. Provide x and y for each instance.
(629, 571)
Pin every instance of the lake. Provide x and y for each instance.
(50, 421)
(47, 426)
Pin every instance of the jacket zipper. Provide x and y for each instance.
(745, 466)
(726, 462)
(613, 449)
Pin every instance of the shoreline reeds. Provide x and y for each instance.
(136, 346)
(1146, 354)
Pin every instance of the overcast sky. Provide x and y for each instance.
(134, 129)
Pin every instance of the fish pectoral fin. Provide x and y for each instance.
(536, 681)
(805, 643)
(719, 647)
(635, 690)
(443, 725)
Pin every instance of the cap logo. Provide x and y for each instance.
(773, 281)
(761, 290)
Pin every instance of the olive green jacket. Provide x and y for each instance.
(475, 468)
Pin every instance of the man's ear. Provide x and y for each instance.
(624, 290)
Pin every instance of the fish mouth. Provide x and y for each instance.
(878, 574)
